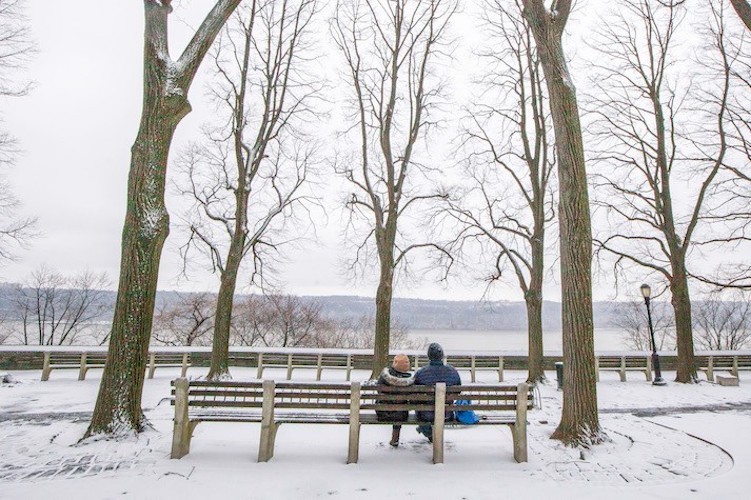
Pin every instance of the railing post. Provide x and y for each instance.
(46, 367)
(82, 371)
(185, 365)
(152, 365)
(259, 373)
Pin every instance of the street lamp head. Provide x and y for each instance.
(646, 290)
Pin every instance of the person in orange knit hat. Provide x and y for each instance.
(398, 375)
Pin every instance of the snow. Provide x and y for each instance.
(664, 442)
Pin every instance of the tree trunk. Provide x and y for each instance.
(224, 303)
(579, 420)
(686, 368)
(536, 371)
(165, 104)
(383, 317)
(533, 298)
(743, 8)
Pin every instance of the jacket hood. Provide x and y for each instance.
(405, 380)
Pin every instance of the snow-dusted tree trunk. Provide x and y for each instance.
(165, 103)
(579, 420)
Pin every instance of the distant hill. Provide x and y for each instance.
(415, 314)
(420, 314)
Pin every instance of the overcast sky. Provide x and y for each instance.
(76, 129)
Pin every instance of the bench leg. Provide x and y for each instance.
(354, 443)
(519, 429)
(268, 425)
(519, 435)
(622, 373)
(440, 417)
(182, 429)
(354, 424)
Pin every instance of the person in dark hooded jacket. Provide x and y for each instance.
(436, 371)
(398, 375)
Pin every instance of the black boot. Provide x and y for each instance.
(395, 431)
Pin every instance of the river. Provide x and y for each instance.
(606, 339)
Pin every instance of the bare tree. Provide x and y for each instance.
(632, 319)
(187, 320)
(648, 145)
(16, 46)
(579, 420)
(246, 180)
(357, 333)
(52, 309)
(504, 212)
(165, 103)
(723, 325)
(279, 320)
(391, 49)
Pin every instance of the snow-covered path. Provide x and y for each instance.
(684, 453)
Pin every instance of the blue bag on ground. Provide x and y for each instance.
(466, 417)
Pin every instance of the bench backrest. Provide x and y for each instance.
(287, 395)
(487, 397)
(338, 396)
(170, 357)
(634, 361)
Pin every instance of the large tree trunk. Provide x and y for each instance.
(579, 420)
(686, 368)
(165, 103)
(743, 8)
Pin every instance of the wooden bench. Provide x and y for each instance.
(275, 403)
(471, 363)
(169, 360)
(83, 361)
(730, 363)
(293, 361)
(626, 363)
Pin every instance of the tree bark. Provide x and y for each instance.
(579, 420)
(743, 8)
(536, 371)
(219, 368)
(686, 367)
(384, 295)
(165, 104)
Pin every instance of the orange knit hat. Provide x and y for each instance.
(401, 363)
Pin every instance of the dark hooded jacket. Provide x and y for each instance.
(395, 378)
(431, 374)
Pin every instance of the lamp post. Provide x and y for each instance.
(646, 292)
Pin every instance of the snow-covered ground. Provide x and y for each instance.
(670, 442)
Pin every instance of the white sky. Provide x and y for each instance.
(76, 129)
